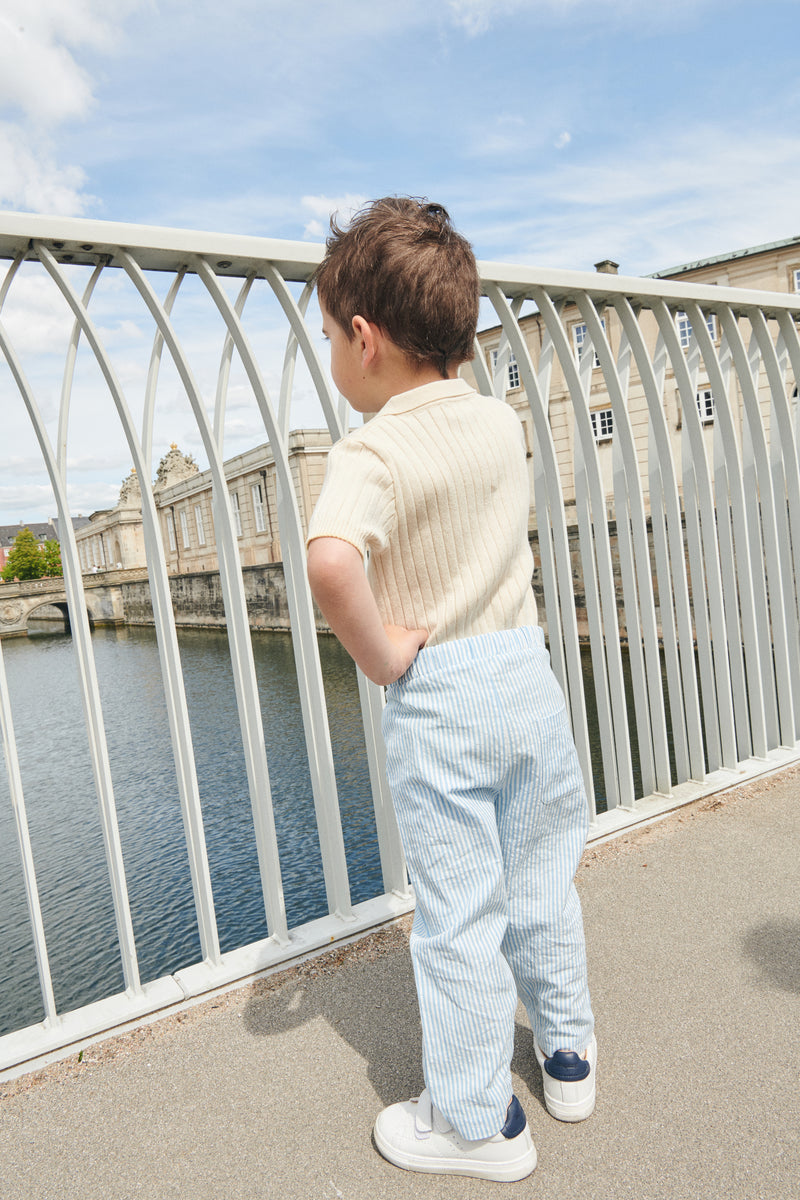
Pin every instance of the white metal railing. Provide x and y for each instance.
(707, 526)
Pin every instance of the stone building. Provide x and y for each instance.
(113, 537)
(774, 267)
(183, 498)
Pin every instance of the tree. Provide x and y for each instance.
(25, 560)
(52, 558)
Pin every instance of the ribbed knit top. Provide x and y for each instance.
(435, 487)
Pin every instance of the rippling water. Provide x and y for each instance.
(65, 827)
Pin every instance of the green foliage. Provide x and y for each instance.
(52, 558)
(26, 560)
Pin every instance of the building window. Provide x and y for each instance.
(237, 515)
(173, 545)
(685, 328)
(512, 370)
(796, 279)
(185, 529)
(705, 405)
(602, 424)
(579, 338)
(198, 520)
(258, 507)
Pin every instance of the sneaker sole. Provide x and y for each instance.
(570, 1112)
(507, 1172)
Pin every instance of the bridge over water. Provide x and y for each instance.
(30, 598)
(707, 526)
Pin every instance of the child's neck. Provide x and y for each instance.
(399, 375)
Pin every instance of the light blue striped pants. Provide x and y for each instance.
(492, 811)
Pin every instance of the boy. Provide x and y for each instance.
(481, 763)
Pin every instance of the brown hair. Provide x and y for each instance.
(401, 265)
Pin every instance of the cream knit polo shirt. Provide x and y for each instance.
(435, 488)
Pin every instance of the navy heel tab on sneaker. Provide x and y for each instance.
(515, 1119)
(567, 1066)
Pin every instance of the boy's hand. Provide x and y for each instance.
(340, 588)
(407, 643)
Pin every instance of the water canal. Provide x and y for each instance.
(63, 812)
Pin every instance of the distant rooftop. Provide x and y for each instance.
(41, 530)
(723, 258)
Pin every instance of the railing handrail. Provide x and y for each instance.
(728, 621)
(171, 249)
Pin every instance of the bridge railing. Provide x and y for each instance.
(686, 537)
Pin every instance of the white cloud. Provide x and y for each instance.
(30, 501)
(324, 207)
(36, 316)
(42, 86)
(562, 140)
(86, 498)
(32, 181)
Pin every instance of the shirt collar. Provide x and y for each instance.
(440, 389)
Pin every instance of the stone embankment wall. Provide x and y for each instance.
(197, 597)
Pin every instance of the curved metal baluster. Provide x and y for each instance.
(18, 797)
(773, 637)
(69, 374)
(704, 558)
(483, 380)
(175, 697)
(553, 541)
(289, 361)
(25, 848)
(238, 628)
(786, 484)
(636, 568)
(9, 276)
(673, 585)
(223, 376)
(148, 414)
(737, 561)
(304, 641)
(598, 574)
(90, 695)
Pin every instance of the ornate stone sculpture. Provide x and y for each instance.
(173, 468)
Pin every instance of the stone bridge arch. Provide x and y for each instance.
(62, 607)
(19, 601)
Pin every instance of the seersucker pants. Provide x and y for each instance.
(492, 811)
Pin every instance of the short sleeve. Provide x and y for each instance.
(356, 503)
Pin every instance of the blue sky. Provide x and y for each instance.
(557, 132)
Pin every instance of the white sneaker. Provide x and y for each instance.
(569, 1082)
(414, 1135)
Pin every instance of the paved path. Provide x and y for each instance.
(693, 928)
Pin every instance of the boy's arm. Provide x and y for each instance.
(340, 588)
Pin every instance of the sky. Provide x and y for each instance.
(556, 132)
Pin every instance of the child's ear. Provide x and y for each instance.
(368, 337)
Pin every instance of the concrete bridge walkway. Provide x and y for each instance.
(693, 929)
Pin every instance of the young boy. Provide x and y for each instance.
(433, 492)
